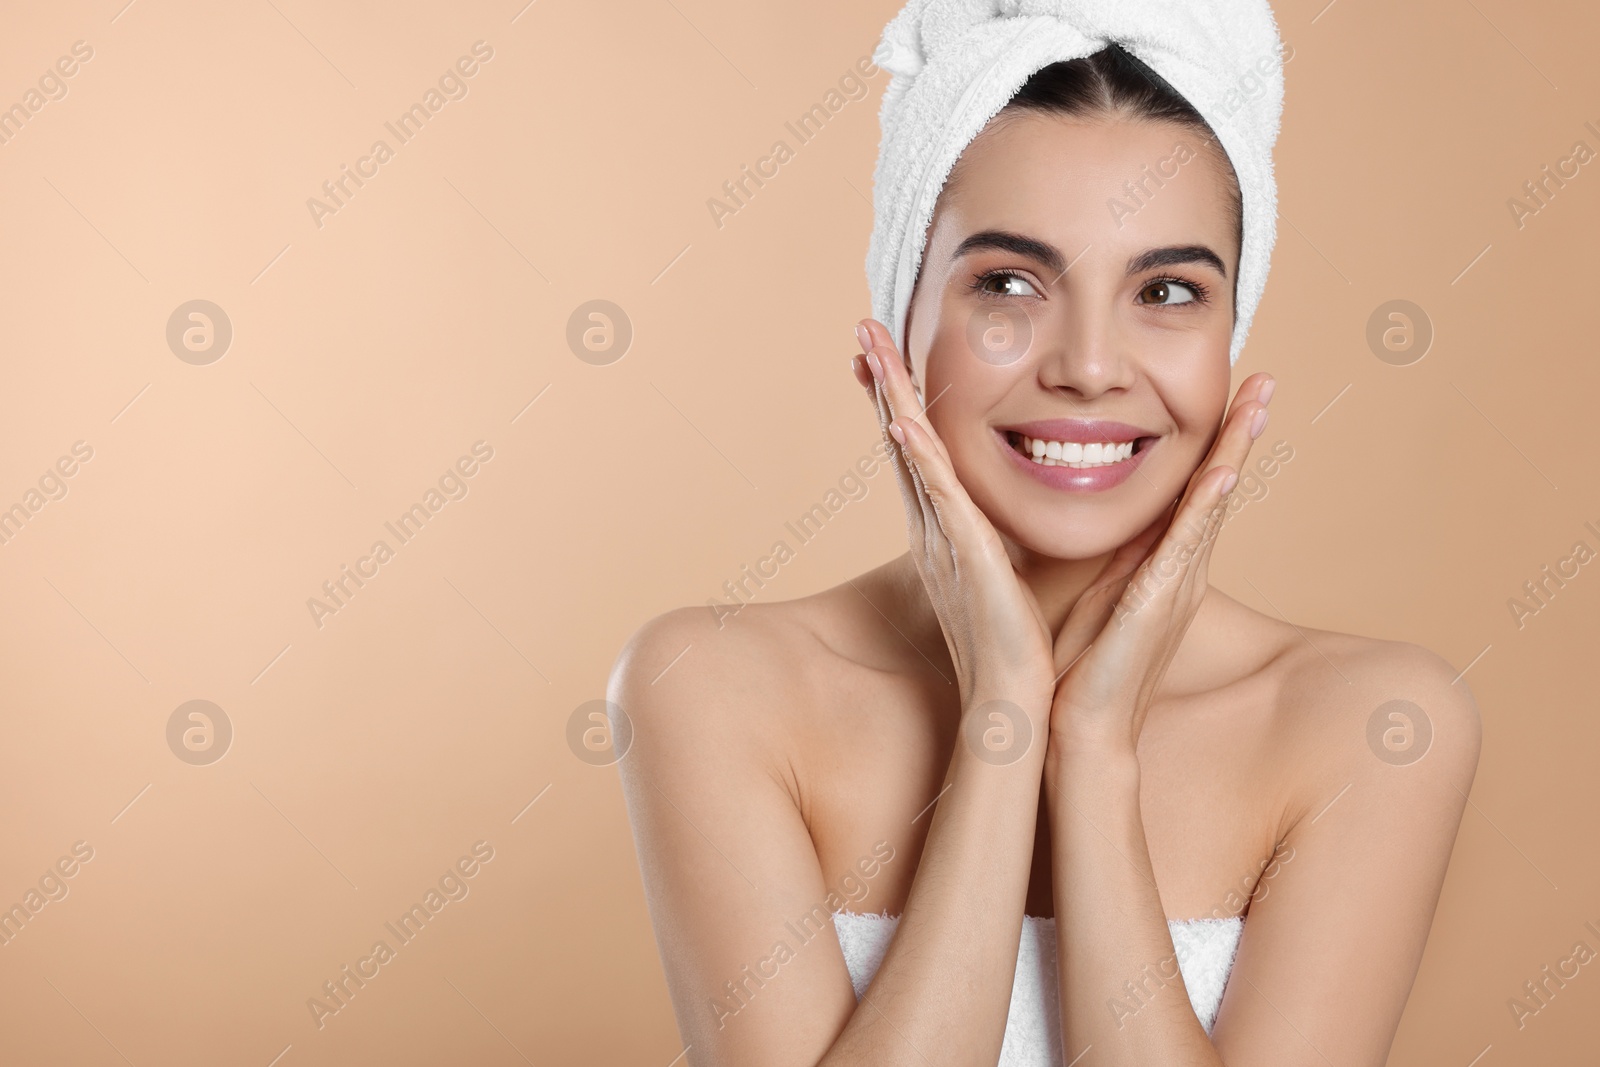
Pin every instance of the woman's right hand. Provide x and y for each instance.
(998, 638)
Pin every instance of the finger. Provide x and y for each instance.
(1095, 606)
(1171, 554)
(1246, 421)
(951, 508)
(1246, 418)
(893, 371)
(896, 399)
(963, 529)
(1181, 561)
(954, 526)
(864, 376)
(911, 495)
(1253, 395)
(859, 368)
(1175, 572)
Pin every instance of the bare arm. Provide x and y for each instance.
(737, 895)
(728, 861)
(1325, 964)
(1327, 958)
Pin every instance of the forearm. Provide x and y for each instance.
(943, 991)
(1121, 990)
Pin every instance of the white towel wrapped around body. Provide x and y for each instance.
(955, 63)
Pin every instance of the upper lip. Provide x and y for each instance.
(1084, 431)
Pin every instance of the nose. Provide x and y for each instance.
(1082, 353)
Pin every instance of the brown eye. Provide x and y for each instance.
(1166, 292)
(1004, 284)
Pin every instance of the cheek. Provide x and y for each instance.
(939, 344)
(1196, 403)
(961, 421)
(962, 393)
(1198, 406)
(982, 352)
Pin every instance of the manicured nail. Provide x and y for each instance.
(1266, 390)
(876, 365)
(897, 432)
(863, 337)
(1258, 424)
(1229, 482)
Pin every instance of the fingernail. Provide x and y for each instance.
(1258, 424)
(876, 365)
(863, 337)
(1266, 390)
(897, 433)
(1229, 482)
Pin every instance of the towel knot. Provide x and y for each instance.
(954, 64)
(899, 57)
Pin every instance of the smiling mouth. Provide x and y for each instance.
(1076, 453)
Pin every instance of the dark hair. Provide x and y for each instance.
(1114, 82)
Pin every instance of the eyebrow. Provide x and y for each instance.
(1049, 256)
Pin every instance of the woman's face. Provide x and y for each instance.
(1077, 290)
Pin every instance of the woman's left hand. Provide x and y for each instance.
(1125, 629)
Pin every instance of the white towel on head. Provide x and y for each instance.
(955, 63)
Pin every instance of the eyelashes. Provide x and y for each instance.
(1201, 293)
(978, 285)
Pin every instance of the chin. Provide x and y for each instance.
(1079, 539)
(1071, 527)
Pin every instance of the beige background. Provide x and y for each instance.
(369, 353)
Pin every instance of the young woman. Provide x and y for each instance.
(1034, 792)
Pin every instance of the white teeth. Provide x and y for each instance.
(1076, 454)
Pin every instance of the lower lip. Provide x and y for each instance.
(1077, 479)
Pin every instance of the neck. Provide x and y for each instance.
(1055, 583)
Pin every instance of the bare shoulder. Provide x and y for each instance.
(1365, 708)
(1345, 679)
(719, 689)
